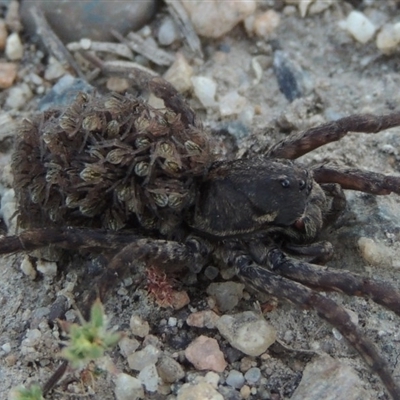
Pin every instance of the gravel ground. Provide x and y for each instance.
(336, 76)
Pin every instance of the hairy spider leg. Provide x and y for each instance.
(301, 143)
(263, 280)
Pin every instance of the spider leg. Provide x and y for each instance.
(192, 254)
(356, 179)
(296, 145)
(340, 281)
(320, 252)
(67, 238)
(264, 280)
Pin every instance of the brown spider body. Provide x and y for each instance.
(121, 176)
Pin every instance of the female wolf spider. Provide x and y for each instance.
(113, 174)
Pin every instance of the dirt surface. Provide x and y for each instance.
(342, 77)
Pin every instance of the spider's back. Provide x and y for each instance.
(109, 162)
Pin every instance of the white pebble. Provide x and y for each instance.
(205, 90)
(18, 96)
(47, 268)
(337, 335)
(359, 26)
(263, 25)
(198, 391)
(149, 378)
(232, 103)
(375, 253)
(212, 378)
(143, 358)
(6, 347)
(128, 346)
(247, 332)
(14, 47)
(172, 321)
(128, 388)
(27, 268)
(168, 32)
(85, 43)
(179, 74)
(32, 338)
(54, 70)
(214, 18)
(139, 326)
(388, 38)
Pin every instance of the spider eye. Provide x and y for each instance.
(285, 183)
(302, 184)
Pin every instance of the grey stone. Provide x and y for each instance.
(91, 19)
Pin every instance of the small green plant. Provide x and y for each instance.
(87, 342)
(22, 393)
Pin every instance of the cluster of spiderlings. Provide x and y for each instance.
(108, 162)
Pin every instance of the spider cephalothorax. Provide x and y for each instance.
(115, 175)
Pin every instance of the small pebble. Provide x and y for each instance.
(138, 326)
(143, 358)
(231, 104)
(172, 321)
(6, 347)
(54, 70)
(247, 332)
(388, 38)
(32, 338)
(148, 376)
(227, 294)
(211, 272)
(359, 26)
(168, 32)
(235, 379)
(212, 378)
(203, 319)
(128, 388)
(253, 375)
(204, 353)
(8, 73)
(117, 84)
(199, 391)
(179, 299)
(3, 34)
(336, 334)
(214, 18)
(94, 19)
(27, 268)
(47, 268)
(18, 96)
(14, 48)
(289, 75)
(170, 370)
(327, 375)
(245, 392)
(264, 24)
(205, 90)
(374, 253)
(128, 346)
(179, 74)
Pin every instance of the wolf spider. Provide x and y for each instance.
(115, 175)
